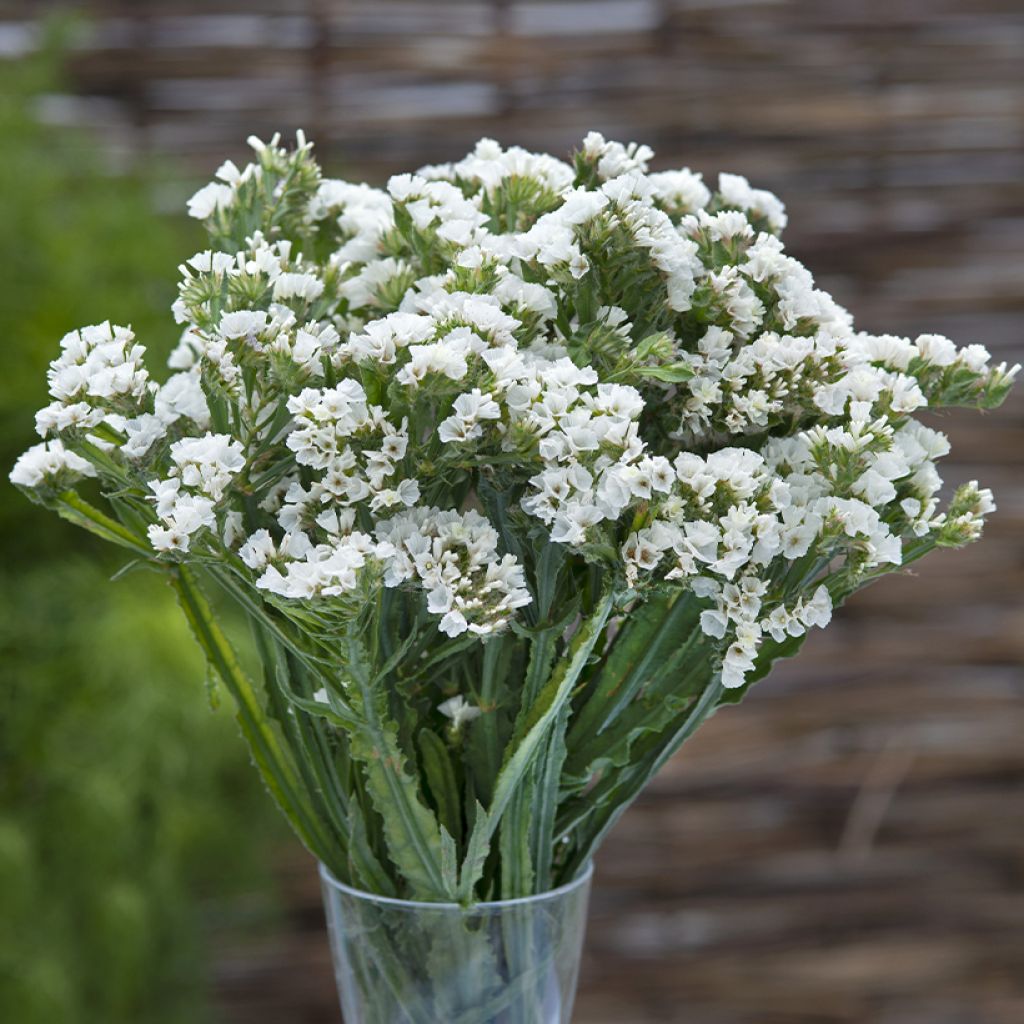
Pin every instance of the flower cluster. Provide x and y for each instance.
(98, 377)
(202, 468)
(454, 557)
(629, 356)
(50, 467)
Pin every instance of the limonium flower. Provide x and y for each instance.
(508, 404)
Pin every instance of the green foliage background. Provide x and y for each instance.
(121, 795)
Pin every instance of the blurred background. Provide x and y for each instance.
(847, 846)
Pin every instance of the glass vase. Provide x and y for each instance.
(506, 962)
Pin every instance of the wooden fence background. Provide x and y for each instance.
(847, 847)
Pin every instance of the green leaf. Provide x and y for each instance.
(483, 744)
(542, 824)
(672, 373)
(476, 854)
(237, 586)
(520, 827)
(665, 692)
(549, 561)
(624, 786)
(75, 509)
(643, 647)
(333, 712)
(536, 721)
(411, 831)
(517, 873)
(496, 503)
(367, 870)
(445, 650)
(449, 861)
(440, 777)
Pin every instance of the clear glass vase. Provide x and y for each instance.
(507, 962)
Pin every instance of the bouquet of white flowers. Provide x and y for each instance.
(519, 468)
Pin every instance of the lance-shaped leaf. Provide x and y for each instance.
(609, 806)
(537, 719)
(411, 831)
(440, 778)
(673, 373)
(542, 824)
(522, 825)
(476, 854)
(75, 509)
(305, 735)
(644, 648)
(663, 689)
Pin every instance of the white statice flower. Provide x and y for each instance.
(726, 226)
(209, 199)
(141, 433)
(208, 463)
(360, 214)
(100, 370)
(294, 285)
(324, 420)
(489, 165)
(935, 350)
(302, 570)
(50, 464)
(680, 192)
(420, 386)
(469, 411)
(372, 281)
(735, 190)
(454, 558)
(60, 416)
(201, 471)
(459, 710)
(245, 324)
(357, 450)
(186, 516)
(447, 357)
(614, 158)
(526, 296)
(306, 348)
(182, 396)
(258, 550)
(381, 339)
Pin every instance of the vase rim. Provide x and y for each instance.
(578, 882)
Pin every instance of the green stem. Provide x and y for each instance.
(632, 780)
(654, 698)
(310, 748)
(75, 509)
(278, 775)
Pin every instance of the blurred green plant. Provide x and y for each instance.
(72, 252)
(121, 795)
